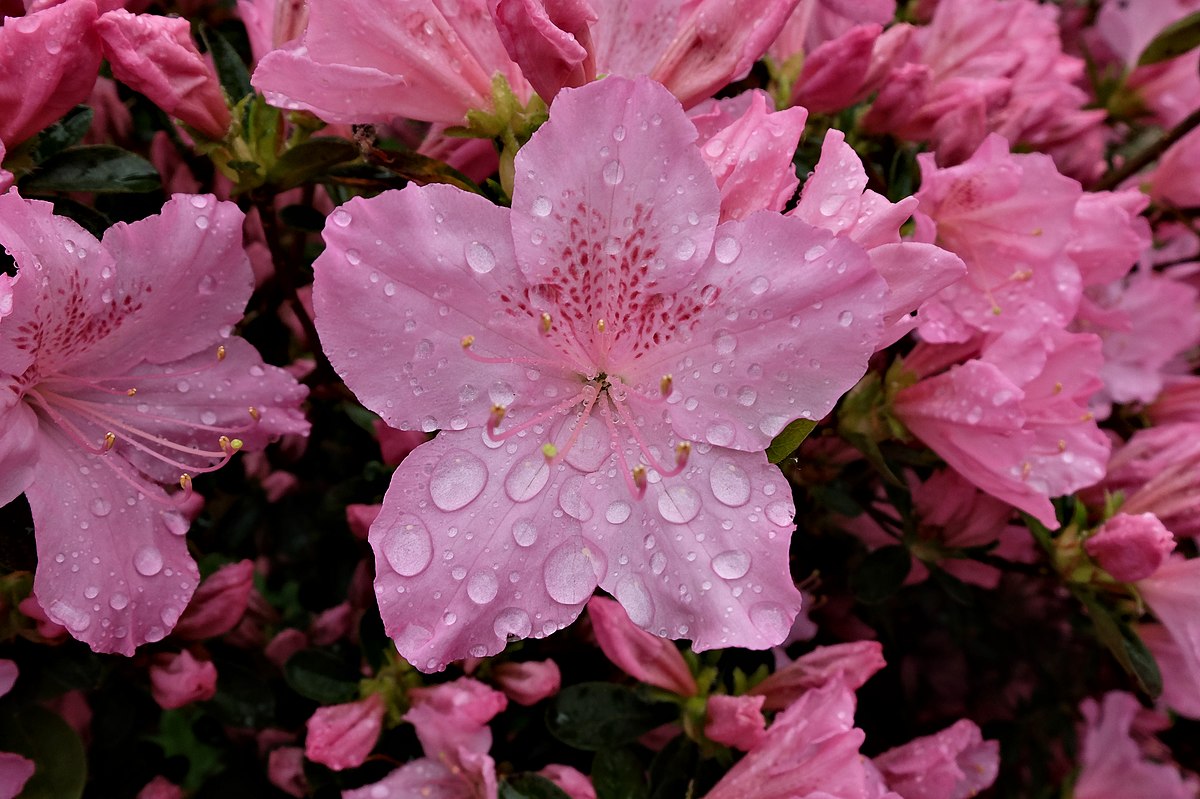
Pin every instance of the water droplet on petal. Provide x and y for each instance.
(685, 249)
(73, 619)
(340, 217)
(524, 532)
(632, 594)
(724, 342)
(679, 504)
(658, 562)
(845, 318)
(208, 417)
(771, 620)
(407, 546)
(814, 252)
(572, 571)
(118, 601)
(482, 587)
(571, 499)
(720, 434)
(91, 592)
(480, 257)
(148, 561)
(457, 479)
(541, 206)
(100, 507)
(729, 484)
(781, 513)
(727, 249)
(731, 564)
(613, 173)
(512, 623)
(526, 478)
(617, 512)
(619, 133)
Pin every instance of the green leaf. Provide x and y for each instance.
(62, 134)
(310, 159)
(321, 677)
(1125, 645)
(598, 715)
(97, 168)
(673, 770)
(177, 738)
(530, 786)
(231, 70)
(789, 439)
(881, 574)
(240, 700)
(618, 774)
(48, 741)
(1173, 41)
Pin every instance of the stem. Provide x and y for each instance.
(1146, 157)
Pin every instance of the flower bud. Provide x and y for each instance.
(736, 721)
(341, 736)
(285, 770)
(1131, 547)
(160, 788)
(218, 603)
(530, 682)
(639, 654)
(178, 679)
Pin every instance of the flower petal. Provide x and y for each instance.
(18, 446)
(405, 276)
(789, 316)
(470, 550)
(113, 566)
(638, 211)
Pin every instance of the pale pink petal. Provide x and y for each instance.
(219, 603)
(549, 40)
(735, 721)
(717, 43)
(1180, 669)
(832, 193)
(1111, 762)
(341, 736)
(1108, 234)
(701, 556)
(574, 783)
(639, 213)
(424, 777)
(639, 654)
(784, 337)
(630, 35)
(955, 763)
(423, 59)
(6, 179)
(851, 663)
(8, 675)
(113, 566)
(18, 446)
(405, 276)
(528, 682)
(48, 64)
(178, 679)
(503, 564)
(752, 159)
(15, 771)
(834, 72)
(452, 717)
(914, 272)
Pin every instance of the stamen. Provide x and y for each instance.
(647, 454)
(546, 322)
(228, 445)
(580, 422)
(549, 452)
(254, 414)
(618, 446)
(498, 414)
(131, 392)
(468, 341)
(639, 480)
(601, 326)
(110, 438)
(185, 482)
(682, 451)
(665, 385)
(221, 352)
(494, 420)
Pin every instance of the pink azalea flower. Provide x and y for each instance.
(1014, 421)
(639, 654)
(160, 788)
(270, 24)
(851, 664)
(815, 22)
(341, 736)
(1158, 471)
(834, 74)
(1173, 595)
(955, 763)
(574, 783)
(15, 770)
(156, 56)
(528, 682)
(180, 679)
(48, 63)
(1112, 765)
(735, 721)
(100, 407)
(1179, 667)
(1130, 546)
(6, 180)
(218, 604)
(285, 770)
(606, 364)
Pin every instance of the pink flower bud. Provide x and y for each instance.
(160, 788)
(341, 736)
(157, 57)
(572, 782)
(736, 721)
(851, 664)
(285, 770)
(953, 762)
(331, 625)
(394, 445)
(285, 644)
(550, 40)
(179, 679)
(530, 682)
(639, 654)
(218, 603)
(1131, 547)
(360, 518)
(834, 73)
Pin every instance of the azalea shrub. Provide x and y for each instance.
(587, 399)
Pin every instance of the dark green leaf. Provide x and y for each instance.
(881, 574)
(47, 740)
(530, 786)
(177, 738)
(231, 70)
(62, 134)
(673, 769)
(618, 774)
(1174, 40)
(599, 715)
(789, 438)
(321, 676)
(97, 168)
(310, 159)
(1125, 645)
(240, 699)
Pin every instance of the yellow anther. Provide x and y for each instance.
(254, 414)
(666, 384)
(223, 443)
(1022, 274)
(229, 445)
(1087, 417)
(601, 326)
(1058, 387)
(546, 322)
(996, 311)
(498, 413)
(1062, 445)
(549, 451)
(131, 392)
(682, 450)
(1037, 231)
(185, 481)
(110, 438)
(639, 477)
(221, 352)
(467, 341)
(1026, 468)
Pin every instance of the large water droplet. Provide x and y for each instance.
(632, 594)
(148, 561)
(720, 434)
(482, 587)
(727, 249)
(457, 479)
(512, 623)
(541, 206)
(118, 601)
(101, 507)
(729, 484)
(781, 513)
(72, 618)
(724, 342)
(679, 504)
(572, 571)
(524, 532)
(407, 546)
(340, 217)
(845, 318)
(658, 563)
(771, 620)
(613, 173)
(526, 478)
(480, 257)
(685, 249)
(617, 512)
(831, 204)
(571, 498)
(731, 564)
